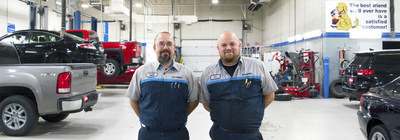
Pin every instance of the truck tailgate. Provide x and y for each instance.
(84, 78)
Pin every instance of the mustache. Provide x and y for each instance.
(229, 51)
(165, 51)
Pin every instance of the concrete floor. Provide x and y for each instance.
(300, 119)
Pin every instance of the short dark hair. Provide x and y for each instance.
(163, 32)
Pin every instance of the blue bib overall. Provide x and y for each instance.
(163, 109)
(237, 108)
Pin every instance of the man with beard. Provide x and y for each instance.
(163, 93)
(235, 91)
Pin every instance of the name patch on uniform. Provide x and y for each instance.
(177, 77)
(215, 76)
(151, 74)
(244, 74)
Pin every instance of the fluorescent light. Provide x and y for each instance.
(298, 37)
(214, 1)
(85, 6)
(291, 39)
(311, 34)
(58, 2)
(138, 5)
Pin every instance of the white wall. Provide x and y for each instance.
(211, 30)
(285, 18)
(256, 24)
(10, 14)
(17, 13)
(204, 30)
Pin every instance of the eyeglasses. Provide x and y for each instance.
(169, 45)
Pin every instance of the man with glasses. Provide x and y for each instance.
(163, 93)
(235, 91)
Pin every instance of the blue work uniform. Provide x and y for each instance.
(163, 96)
(236, 102)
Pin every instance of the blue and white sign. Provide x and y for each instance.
(10, 28)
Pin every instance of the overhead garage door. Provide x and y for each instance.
(198, 54)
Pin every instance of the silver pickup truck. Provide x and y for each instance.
(50, 91)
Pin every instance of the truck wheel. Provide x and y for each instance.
(111, 69)
(123, 70)
(335, 89)
(55, 117)
(379, 132)
(18, 115)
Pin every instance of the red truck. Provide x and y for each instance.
(120, 55)
(121, 79)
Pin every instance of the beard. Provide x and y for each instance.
(230, 58)
(164, 58)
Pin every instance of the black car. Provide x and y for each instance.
(379, 114)
(42, 46)
(370, 69)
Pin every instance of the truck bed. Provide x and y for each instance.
(42, 80)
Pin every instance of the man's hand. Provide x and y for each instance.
(269, 98)
(192, 106)
(206, 107)
(135, 106)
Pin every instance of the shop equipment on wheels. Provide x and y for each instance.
(304, 81)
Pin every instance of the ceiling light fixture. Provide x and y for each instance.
(214, 1)
(138, 5)
(254, 6)
(85, 6)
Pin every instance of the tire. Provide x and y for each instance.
(27, 111)
(379, 132)
(111, 69)
(58, 58)
(283, 97)
(335, 89)
(55, 117)
(123, 70)
(312, 93)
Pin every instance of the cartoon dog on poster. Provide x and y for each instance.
(340, 19)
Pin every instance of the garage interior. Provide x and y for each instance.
(266, 28)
